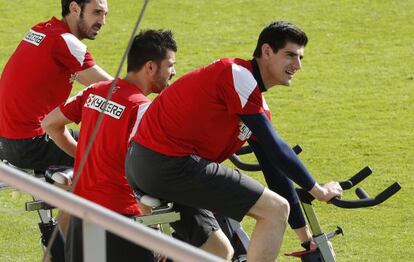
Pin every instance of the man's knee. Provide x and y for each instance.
(270, 206)
(219, 244)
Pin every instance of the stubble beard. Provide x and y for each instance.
(83, 28)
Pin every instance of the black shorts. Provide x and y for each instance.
(195, 225)
(37, 153)
(117, 248)
(192, 181)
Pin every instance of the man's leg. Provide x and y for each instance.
(219, 244)
(271, 212)
(199, 228)
(74, 241)
(193, 181)
(63, 221)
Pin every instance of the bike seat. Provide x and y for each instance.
(60, 174)
(162, 210)
(150, 200)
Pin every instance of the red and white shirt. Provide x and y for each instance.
(102, 179)
(199, 113)
(38, 77)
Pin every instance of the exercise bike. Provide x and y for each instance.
(324, 251)
(60, 176)
(163, 212)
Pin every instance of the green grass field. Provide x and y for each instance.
(350, 106)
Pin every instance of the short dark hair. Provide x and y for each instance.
(150, 45)
(66, 3)
(277, 34)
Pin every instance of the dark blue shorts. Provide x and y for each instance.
(37, 153)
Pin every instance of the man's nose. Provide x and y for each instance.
(102, 19)
(297, 63)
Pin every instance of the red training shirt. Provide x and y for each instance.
(38, 77)
(199, 113)
(103, 178)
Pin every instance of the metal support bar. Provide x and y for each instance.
(94, 239)
(37, 205)
(163, 218)
(326, 250)
(313, 221)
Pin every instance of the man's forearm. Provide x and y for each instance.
(303, 234)
(92, 75)
(65, 141)
(54, 125)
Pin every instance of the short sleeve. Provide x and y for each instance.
(136, 117)
(72, 108)
(72, 53)
(240, 91)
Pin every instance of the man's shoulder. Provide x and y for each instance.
(57, 29)
(235, 61)
(138, 98)
(122, 91)
(240, 70)
(228, 65)
(53, 26)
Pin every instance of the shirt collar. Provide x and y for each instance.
(122, 82)
(257, 75)
(61, 23)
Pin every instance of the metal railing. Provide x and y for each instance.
(96, 215)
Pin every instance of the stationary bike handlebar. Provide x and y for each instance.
(364, 200)
(252, 166)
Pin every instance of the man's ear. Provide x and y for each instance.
(151, 67)
(266, 51)
(74, 8)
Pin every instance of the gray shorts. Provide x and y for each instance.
(192, 182)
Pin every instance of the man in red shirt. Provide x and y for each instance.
(205, 117)
(102, 180)
(39, 76)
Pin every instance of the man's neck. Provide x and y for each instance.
(71, 23)
(140, 82)
(257, 75)
(267, 77)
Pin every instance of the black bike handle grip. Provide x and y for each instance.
(361, 193)
(244, 166)
(368, 202)
(252, 166)
(297, 149)
(244, 150)
(358, 177)
(248, 149)
(389, 192)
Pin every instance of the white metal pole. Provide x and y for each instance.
(106, 218)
